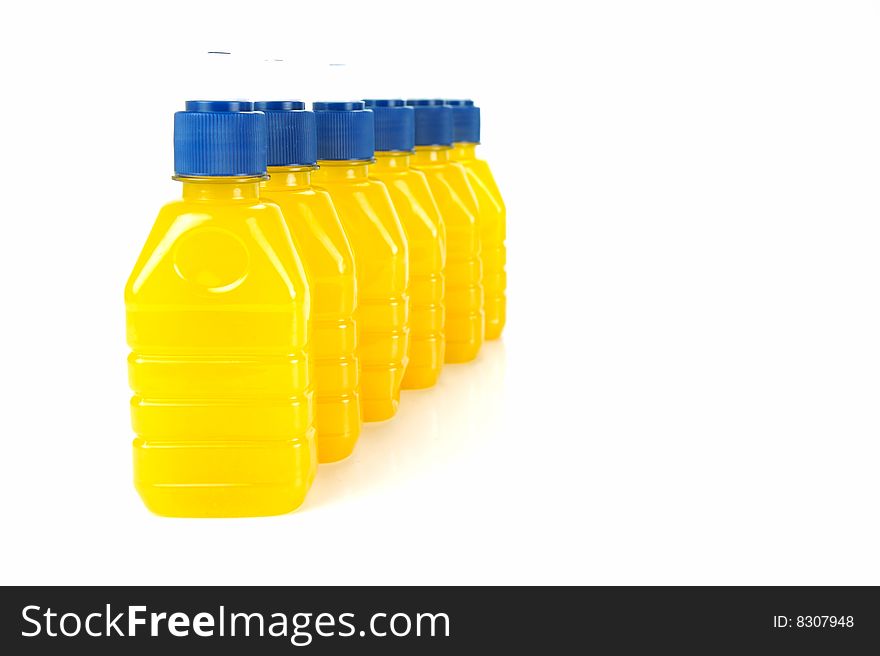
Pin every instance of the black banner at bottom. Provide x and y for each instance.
(439, 620)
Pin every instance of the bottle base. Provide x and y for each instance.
(218, 501)
(339, 426)
(333, 448)
(425, 361)
(464, 336)
(496, 315)
(379, 409)
(224, 478)
(458, 352)
(380, 391)
(494, 330)
(420, 377)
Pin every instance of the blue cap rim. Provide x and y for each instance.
(338, 106)
(425, 102)
(219, 106)
(279, 105)
(385, 102)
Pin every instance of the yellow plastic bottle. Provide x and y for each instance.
(493, 215)
(345, 151)
(217, 321)
(458, 207)
(329, 265)
(425, 236)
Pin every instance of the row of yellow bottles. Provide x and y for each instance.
(267, 317)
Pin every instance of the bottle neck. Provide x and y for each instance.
(463, 151)
(221, 188)
(394, 160)
(341, 170)
(432, 154)
(289, 177)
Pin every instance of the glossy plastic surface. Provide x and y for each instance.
(380, 257)
(217, 319)
(329, 263)
(464, 270)
(493, 232)
(426, 240)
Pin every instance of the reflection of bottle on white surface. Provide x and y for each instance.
(469, 401)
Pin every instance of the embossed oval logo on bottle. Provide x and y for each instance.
(214, 259)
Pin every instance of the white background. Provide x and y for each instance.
(687, 390)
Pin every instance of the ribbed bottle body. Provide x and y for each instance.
(380, 254)
(217, 321)
(329, 264)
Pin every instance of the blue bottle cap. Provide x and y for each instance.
(345, 130)
(465, 121)
(292, 133)
(433, 122)
(395, 125)
(215, 138)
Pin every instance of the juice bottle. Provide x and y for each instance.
(425, 236)
(329, 265)
(493, 215)
(345, 151)
(217, 320)
(458, 207)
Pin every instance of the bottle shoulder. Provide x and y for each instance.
(219, 208)
(375, 232)
(317, 234)
(481, 169)
(479, 166)
(370, 198)
(208, 253)
(490, 205)
(454, 172)
(453, 194)
(416, 207)
(305, 199)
